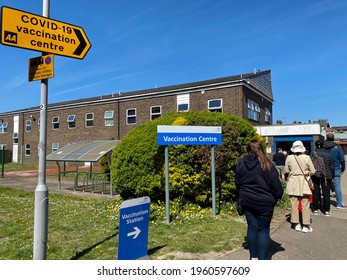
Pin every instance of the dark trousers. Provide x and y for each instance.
(321, 186)
(258, 233)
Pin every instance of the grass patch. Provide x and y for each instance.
(87, 229)
(17, 166)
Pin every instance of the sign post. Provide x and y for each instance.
(41, 191)
(41, 67)
(133, 229)
(2, 160)
(188, 135)
(39, 33)
(29, 31)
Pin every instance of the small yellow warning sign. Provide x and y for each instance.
(41, 67)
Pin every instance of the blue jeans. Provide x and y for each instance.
(258, 233)
(338, 193)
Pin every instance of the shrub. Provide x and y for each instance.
(105, 168)
(138, 162)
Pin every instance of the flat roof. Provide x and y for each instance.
(85, 151)
(291, 129)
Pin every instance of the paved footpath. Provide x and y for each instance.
(328, 241)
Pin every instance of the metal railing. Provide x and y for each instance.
(96, 182)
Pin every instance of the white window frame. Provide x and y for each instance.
(3, 127)
(55, 146)
(3, 146)
(55, 123)
(28, 126)
(267, 115)
(215, 108)
(131, 116)
(183, 103)
(15, 137)
(154, 115)
(27, 150)
(109, 118)
(71, 119)
(253, 110)
(89, 122)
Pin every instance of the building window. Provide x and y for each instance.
(3, 127)
(267, 115)
(15, 137)
(89, 119)
(215, 105)
(27, 149)
(55, 123)
(155, 112)
(109, 119)
(3, 147)
(28, 125)
(183, 103)
(55, 146)
(253, 110)
(71, 121)
(131, 116)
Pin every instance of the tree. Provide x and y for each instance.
(138, 162)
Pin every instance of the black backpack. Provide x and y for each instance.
(318, 164)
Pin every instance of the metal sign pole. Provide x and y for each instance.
(167, 195)
(41, 191)
(213, 182)
(2, 161)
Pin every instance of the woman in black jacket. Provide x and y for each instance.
(259, 187)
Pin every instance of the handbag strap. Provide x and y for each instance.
(300, 167)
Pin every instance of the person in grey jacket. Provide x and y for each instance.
(338, 156)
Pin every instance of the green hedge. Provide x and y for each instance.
(138, 162)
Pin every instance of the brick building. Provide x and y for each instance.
(113, 116)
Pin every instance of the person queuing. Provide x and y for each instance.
(279, 159)
(324, 183)
(260, 188)
(299, 168)
(338, 156)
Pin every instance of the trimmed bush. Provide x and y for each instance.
(138, 162)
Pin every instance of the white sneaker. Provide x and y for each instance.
(327, 213)
(298, 227)
(315, 212)
(307, 229)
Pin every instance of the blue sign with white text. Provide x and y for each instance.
(133, 229)
(189, 135)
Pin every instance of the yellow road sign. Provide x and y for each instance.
(29, 31)
(41, 67)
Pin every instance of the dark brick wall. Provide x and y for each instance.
(234, 101)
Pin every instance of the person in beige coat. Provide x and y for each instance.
(299, 168)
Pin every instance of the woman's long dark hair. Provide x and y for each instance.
(255, 147)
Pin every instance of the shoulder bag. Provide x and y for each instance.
(309, 181)
(238, 205)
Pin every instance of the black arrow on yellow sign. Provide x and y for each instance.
(29, 31)
(83, 44)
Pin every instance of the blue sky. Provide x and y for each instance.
(141, 44)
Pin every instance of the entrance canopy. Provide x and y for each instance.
(85, 151)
